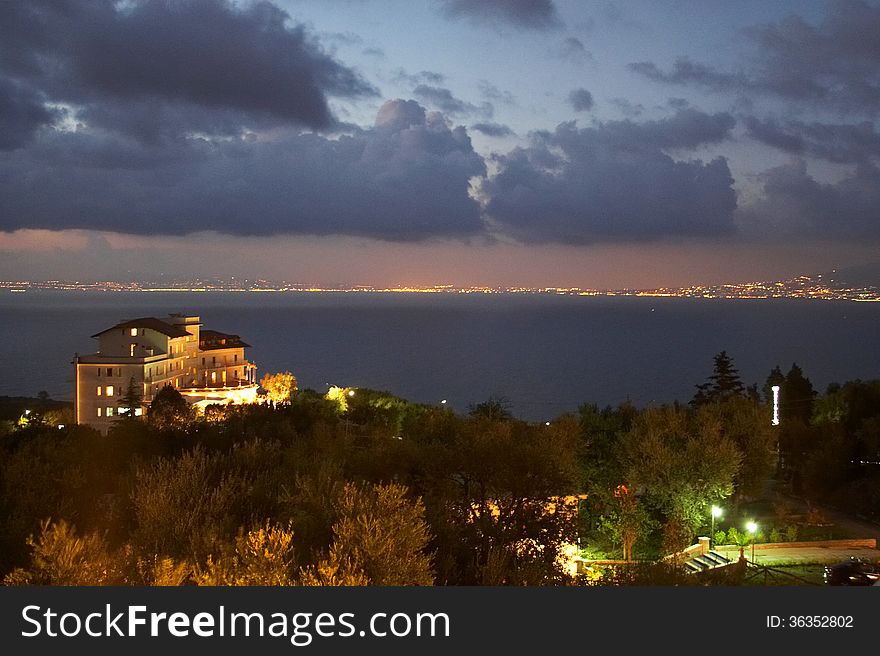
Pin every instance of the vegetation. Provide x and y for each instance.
(365, 488)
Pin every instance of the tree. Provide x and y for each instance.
(263, 556)
(684, 463)
(722, 384)
(747, 424)
(383, 534)
(796, 396)
(169, 409)
(60, 557)
(279, 386)
(774, 378)
(493, 408)
(130, 402)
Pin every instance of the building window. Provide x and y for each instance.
(100, 411)
(213, 376)
(109, 371)
(134, 332)
(236, 357)
(131, 350)
(224, 376)
(109, 410)
(99, 390)
(203, 362)
(108, 391)
(214, 360)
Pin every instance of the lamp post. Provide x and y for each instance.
(775, 390)
(716, 512)
(752, 528)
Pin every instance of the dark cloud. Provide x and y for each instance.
(581, 100)
(627, 108)
(493, 94)
(614, 181)
(573, 50)
(687, 71)
(443, 100)
(493, 129)
(202, 63)
(835, 63)
(526, 14)
(400, 76)
(22, 112)
(835, 142)
(794, 203)
(406, 178)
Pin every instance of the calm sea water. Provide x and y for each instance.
(547, 355)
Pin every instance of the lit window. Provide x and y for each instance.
(109, 411)
(213, 376)
(131, 349)
(108, 391)
(99, 390)
(100, 411)
(134, 332)
(138, 412)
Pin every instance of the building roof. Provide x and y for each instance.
(213, 339)
(148, 322)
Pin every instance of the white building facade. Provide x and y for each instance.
(205, 366)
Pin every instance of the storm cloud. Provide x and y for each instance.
(404, 179)
(493, 129)
(615, 181)
(526, 14)
(193, 65)
(794, 203)
(581, 100)
(447, 103)
(835, 63)
(834, 142)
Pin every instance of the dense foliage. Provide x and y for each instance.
(374, 490)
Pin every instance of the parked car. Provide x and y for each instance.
(854, 571)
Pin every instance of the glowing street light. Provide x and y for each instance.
(752, 528)
(716, 512)
(351, 392)
(443, 402)
(775, 390)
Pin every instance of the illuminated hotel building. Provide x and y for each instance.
(205, 366)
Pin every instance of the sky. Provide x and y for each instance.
(416, 142)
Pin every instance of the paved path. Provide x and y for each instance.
(801, 555)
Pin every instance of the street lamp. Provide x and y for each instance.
(775, 390)
(752, 528)
(716, 512)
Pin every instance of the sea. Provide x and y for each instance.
(545, 355)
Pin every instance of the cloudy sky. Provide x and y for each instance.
(501, 142)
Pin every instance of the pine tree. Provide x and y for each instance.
(796, 396)
(724, 382)
(130, 401)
